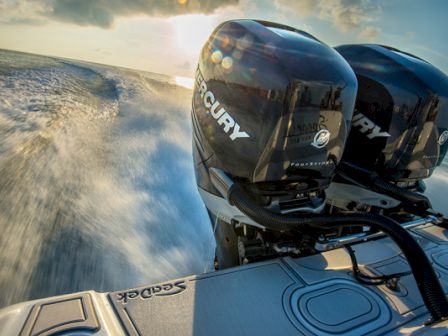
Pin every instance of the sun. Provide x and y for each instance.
(191, 31)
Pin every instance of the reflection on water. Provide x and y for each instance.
(186, 82)
(97, 187)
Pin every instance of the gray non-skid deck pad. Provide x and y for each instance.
(58, 316)
(314, 295)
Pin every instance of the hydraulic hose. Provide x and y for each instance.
(425, 277)
(410, 197)
(359, 176)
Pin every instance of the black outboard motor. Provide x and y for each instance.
(399, 128)
(272, 108)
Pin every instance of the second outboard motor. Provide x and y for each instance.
(399, 128)
(272, 107)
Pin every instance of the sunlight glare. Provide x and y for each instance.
(192, 31)
(186, 82)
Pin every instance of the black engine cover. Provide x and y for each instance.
(271, 103)
(399, 128)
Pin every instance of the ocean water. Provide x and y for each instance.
(97, 186)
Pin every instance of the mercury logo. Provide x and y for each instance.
(443, 138)
(321, 138)
(217, 111)
(367, 126)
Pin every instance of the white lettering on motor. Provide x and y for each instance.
(365, 125)
(217, 111)
(209, 99)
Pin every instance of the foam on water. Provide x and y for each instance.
(97, 187)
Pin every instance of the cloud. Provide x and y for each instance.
(101, 13)
(350, 14)
(346, 15)
(22, 12)
(369, 33)
(301, 7)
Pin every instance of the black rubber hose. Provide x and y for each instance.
(410, 197)
(425, 277)
(368, 179)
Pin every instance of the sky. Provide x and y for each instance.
(166, 36)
